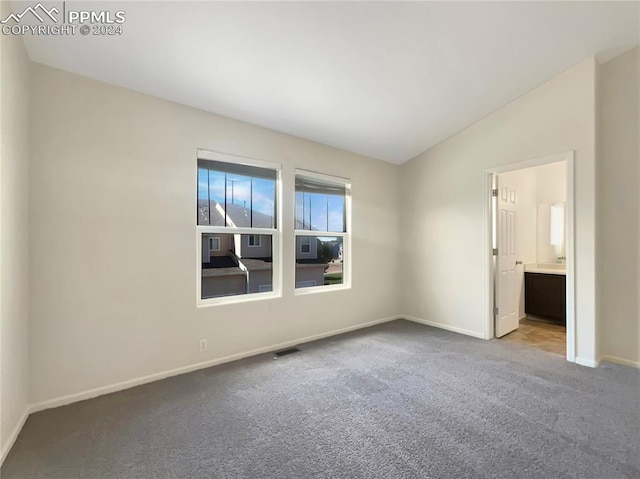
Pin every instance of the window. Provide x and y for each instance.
(305, 245)
(322, 205)
(237, 228)
(236, 195)
(254, 241)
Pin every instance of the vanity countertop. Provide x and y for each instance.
(546, 268)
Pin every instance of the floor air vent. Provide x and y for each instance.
(284, 352)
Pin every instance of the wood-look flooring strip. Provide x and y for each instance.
(541, 335)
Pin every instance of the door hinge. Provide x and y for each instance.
(495, 311)
(495, 251)
(494, 193)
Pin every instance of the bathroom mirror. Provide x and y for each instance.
(551, 232)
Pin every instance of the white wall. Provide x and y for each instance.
(551, 183)
(14, 259)
(619, 208)
(443, 200)
(112, 168)
(551, 187)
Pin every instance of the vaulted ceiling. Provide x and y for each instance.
(387, 80)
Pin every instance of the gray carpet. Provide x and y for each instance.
(399, 400)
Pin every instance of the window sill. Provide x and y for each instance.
(321, 289)
(238, 299)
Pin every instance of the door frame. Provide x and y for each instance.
(568, 157)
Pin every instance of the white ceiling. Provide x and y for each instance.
(387, 80)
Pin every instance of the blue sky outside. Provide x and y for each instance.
(322, 212)
(317, 211)
(257, 194)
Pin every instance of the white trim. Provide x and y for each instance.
(489, 290)
(321, 288)
(543, 160)
(624, 362)
(568, 158)
(91, 393)
(323, 177)
(203, 154)
(237, 298)
(6, 447)
(570, 259)
(590, 363)
(466, 332)
(320, 234)
(227, 230)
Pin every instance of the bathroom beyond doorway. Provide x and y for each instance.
(539, 334)
(530, 255)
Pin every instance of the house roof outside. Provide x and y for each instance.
(257, 264)
(214, 272)
(236, 214)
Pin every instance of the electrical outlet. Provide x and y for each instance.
(422, 308)
(203, 345)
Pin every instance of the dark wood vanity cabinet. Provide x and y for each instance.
(545, 295)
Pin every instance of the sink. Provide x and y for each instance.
(551, 265)
(546, 268)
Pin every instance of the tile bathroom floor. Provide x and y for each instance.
(540, 335)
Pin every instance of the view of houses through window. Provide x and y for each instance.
(319, 261)
(320, 207)
(237, 224)
(236, 267)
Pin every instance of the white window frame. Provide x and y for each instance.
(275, 233)
(257, 241)
(346, 235)
(211, 243)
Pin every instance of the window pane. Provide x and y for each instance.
(263, 196)
(236, 195)
(320, 205)
(236, 268)
(319, 212)
(238, 201)
(203, 197)
(216, 196)
(336, 213)
(300, 224)
(319, 261)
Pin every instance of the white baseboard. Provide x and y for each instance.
(6, 447)
(624, 362)
(591, 363)
(92, 393)
(466, 332)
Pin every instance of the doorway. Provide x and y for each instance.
(531, 255)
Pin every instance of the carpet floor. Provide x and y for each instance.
(398, 400)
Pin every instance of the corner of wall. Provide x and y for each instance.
(14, 233)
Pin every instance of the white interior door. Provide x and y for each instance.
(507, 317)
